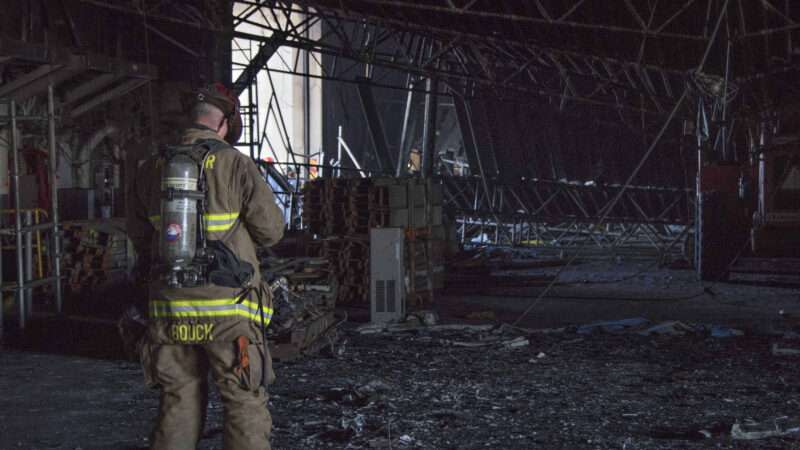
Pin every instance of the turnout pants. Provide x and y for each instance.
(181, 371)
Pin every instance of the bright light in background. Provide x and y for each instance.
(288, 126)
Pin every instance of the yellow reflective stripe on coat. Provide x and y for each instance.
(226, 307)
(221, 222)
(214, 222)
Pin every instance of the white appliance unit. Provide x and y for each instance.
(387, 275)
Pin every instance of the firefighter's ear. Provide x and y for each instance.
(224, 126)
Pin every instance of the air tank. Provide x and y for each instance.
(178, 212)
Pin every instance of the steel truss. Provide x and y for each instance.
(562, 214)
(647, 58)
(639, 62)
(466, 62)
(620, 55)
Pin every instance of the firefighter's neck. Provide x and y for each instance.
(221, 127)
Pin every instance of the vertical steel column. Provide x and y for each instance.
(251, 123)
(52, 160)
(698, 213)
(28, 294)
(429, 128)
(19, 293)
(306, 105)
(338, 172)
(375, 127)
(2, 297)
(724, 128)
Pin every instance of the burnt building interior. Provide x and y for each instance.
(513, 224)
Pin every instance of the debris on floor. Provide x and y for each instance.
(481, 315)
(304, 300)
(751, 430)
(644, 327)
(412, 388)
(778, 350)
(613, 326)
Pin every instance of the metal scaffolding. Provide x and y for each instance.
(24, 228)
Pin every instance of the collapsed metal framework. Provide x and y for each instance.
(563, 215)
(622, 56)
(636, 65)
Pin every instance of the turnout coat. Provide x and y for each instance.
(242, 213)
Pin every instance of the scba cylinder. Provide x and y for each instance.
(179, 212)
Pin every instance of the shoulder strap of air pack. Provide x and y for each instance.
(208, 147)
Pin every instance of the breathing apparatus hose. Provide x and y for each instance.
(201, 210)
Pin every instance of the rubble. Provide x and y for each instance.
(614, 326)
(611, 389)
(670, 327)
(719, 331)
(642, 326)
(559, 392)
(753, 430)
(304, 300)
(777, 350)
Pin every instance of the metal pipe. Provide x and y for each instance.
(28, 258)
(306, 101)
(27, 228)
(2, 299)
(83, 165)
(52, 159)
(339, 152)
(698, 238)
(343, 145)
(725, 99)
(31, 285)
(18, 217)
(39, 264)
(429, 130)
(23, 119)
(401, 155)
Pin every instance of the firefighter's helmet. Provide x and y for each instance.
(223, 98)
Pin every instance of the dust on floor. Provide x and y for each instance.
(418, 390)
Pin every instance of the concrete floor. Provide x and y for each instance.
(62, 401)
(587, 292)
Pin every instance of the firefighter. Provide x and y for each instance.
(197, 219)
